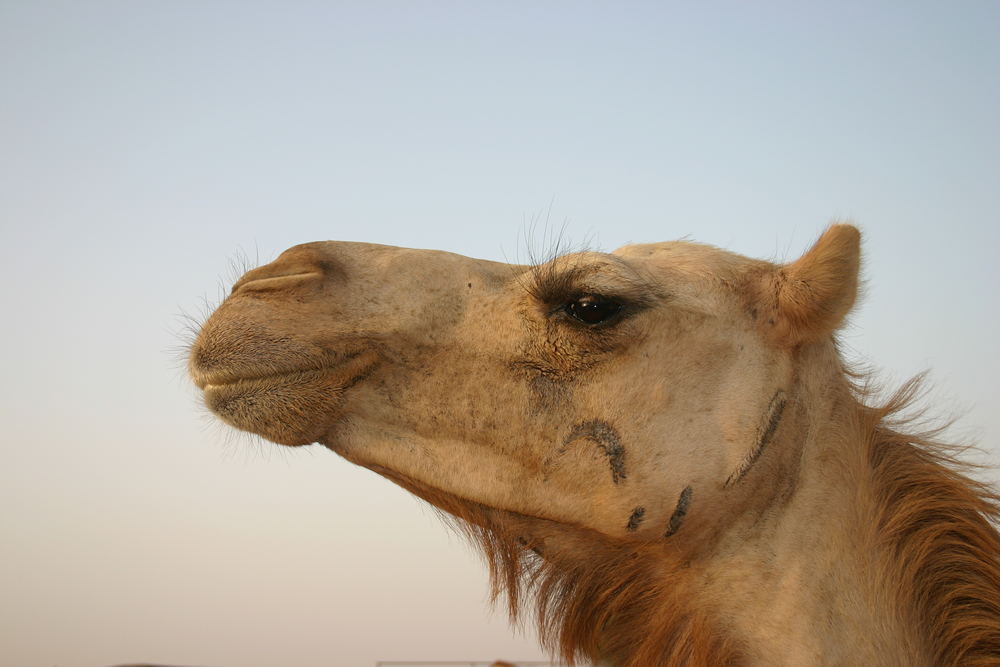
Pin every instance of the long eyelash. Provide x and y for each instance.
(551, 285)
(554, 287)
(560, 277)
(551, 277)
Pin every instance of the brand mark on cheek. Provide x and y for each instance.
(677, 518)
(607, 440)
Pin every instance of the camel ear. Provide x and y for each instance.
(811, 296)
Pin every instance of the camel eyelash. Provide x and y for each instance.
(551, 286)
(555, 289)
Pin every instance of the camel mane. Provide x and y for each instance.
(932, 528)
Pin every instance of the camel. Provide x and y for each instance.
(659, 450)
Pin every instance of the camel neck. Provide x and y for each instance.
(795, 580)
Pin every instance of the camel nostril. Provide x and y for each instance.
(274, 281)
(300, 266)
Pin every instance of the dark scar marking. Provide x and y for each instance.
(635, 519)
(677, 518)
(607, 439)
(764, 435)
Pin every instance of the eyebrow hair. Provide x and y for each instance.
(554, 281)
(548, 283)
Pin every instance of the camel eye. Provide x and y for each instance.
(593, 309)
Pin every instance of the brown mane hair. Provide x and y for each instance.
(934, 530)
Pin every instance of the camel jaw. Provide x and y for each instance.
(522, 531)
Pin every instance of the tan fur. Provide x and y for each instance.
(696, 481)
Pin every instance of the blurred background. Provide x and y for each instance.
(145, 147)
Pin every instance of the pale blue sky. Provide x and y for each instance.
(145, 144)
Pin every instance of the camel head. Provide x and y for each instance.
(631, 396)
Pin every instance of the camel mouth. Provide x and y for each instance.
(345, 364)
(289, 407)
(229, 379)
(262, 382)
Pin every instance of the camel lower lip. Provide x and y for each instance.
(272, 407)
(289, 408)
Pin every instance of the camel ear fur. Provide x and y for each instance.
(808, 299)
